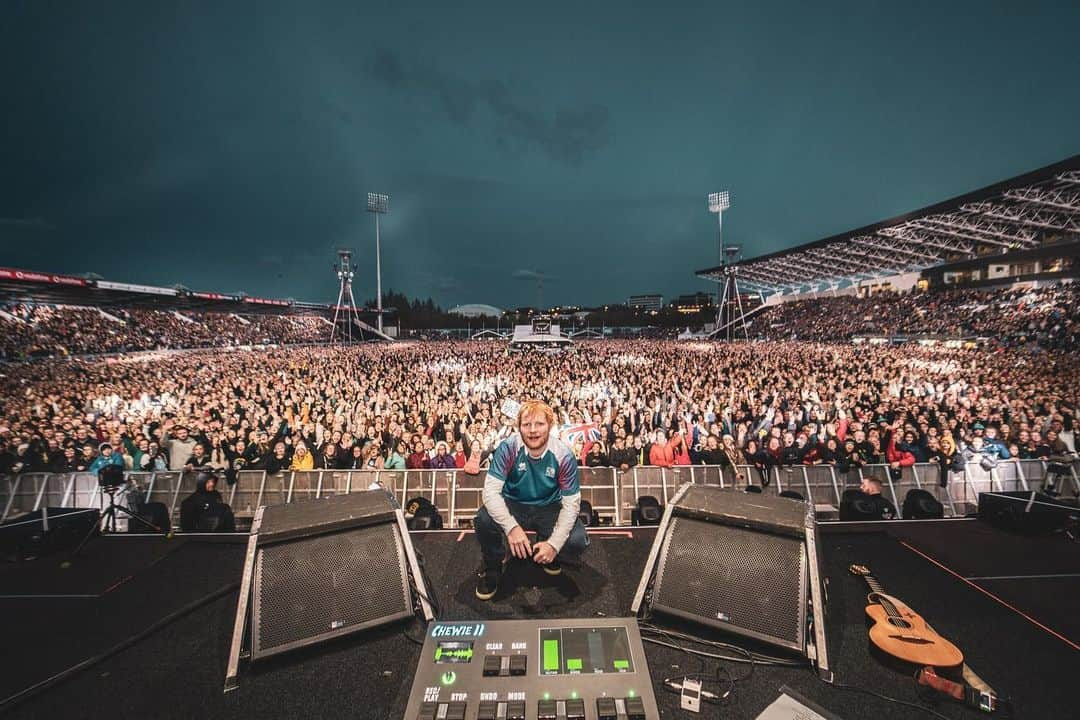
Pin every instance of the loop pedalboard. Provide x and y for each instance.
(591, 669)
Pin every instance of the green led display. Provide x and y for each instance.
(551, 655)
(573, 663)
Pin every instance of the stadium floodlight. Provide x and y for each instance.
(719, 201)
(378, 203)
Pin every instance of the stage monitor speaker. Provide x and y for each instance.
(312, 589)
(45, 531)
(320, 569)
(739, 562)
(1026, 511)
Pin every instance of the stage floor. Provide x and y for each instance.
(1009, 602)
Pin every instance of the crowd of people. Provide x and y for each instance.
(620, 403)
(31, 331)
(1047, 316)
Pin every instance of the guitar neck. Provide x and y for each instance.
(873, 584)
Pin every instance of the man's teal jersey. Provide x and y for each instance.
(531, 481)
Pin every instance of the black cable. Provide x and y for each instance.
(897, 701)
(430, 597)
(32, 690)
(747, 656)
(410, 638)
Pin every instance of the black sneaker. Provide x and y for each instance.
(553, 567)
(487, 582)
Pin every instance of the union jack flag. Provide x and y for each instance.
(585, 432)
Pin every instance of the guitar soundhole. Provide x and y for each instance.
(900, 623)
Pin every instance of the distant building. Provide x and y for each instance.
(689, 304)
(476, 310)
(646, 302)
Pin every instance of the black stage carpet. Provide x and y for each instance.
(178, 671)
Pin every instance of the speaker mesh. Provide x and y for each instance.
(315, 588)
(738, 579)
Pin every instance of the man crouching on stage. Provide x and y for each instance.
(532, 484)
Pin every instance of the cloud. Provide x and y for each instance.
(567, 137)
(526, 274)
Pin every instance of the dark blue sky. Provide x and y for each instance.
(230, 148)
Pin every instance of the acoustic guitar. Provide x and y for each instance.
(900, 632)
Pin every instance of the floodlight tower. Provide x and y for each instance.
(730, 315)
(345, 270)
(378, 203)
(718, 203)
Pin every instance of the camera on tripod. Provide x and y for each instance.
(141, 516)
(111, 478)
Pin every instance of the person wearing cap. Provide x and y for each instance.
(532, 484)
(994, 446)
(106, 456)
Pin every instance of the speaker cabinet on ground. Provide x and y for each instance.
(319, 569)
(739, 562)
(1027, 511)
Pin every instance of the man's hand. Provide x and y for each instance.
(519, 543)
(543, 553)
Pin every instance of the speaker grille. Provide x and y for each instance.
(737, 579)
(316, 588)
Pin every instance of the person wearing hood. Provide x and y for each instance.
(107, 456)
(302, 459)
(204, 510)
(443, 460)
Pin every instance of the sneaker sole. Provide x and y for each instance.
(552, 571)
(486, 596)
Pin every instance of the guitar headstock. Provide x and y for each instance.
(860, 570)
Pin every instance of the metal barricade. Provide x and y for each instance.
(788, 477)
(141, 481)
(675, 477)
(909, 480)
(7, 494)
(443, 500)
(85, 490)
(822, 488)
(709, 475)
(927, 476)
(275, 489)
(245, 495)
(637, 481)
(1010, 476)
(468, 497)
(304, 485)
(1065, 478)
(26, 494)
(56, 491)
(362, 480)
(1031, 472)
(751, 475)
(598, 487)
(163, 488)
(333, 482)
